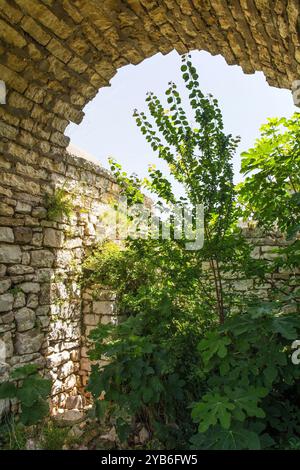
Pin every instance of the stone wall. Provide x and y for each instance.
(40, 260)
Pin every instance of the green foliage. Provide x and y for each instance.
(271, 191)
(31, 391)
(59, 205)
(150, 359)
(181, 345)
(13, 435)
(199, 157)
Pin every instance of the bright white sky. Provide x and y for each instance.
(108, 128)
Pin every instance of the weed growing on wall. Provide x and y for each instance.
(59, 204)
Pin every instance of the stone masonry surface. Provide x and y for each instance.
(41, 302)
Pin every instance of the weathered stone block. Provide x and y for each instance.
(44, 274)
(32, 301)
(85, 364)
(45, 297)
(73, 243)
(37, 239)
(39, 212)
(19, 182)
(59, 51)
(66, 370)
(44, 321)
(106, 319)
(43, 310)
(19, 270)
(23, 234)
(34, 30)
(10, 254)
(20, 300)
(90, 319)
(5, 285)
(2, 270)
(23, 207)
(4, 163)
(45, 16)
(74, 402)
(9, 347)
(30, 287)
(17, 82)
(63, 258)
(25, 258)
(70, 382)
(11, 35)
(4, 328)
(6, 210)
(55, 360)
(103, 307)
(6, 318)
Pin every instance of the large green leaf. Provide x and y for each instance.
(213, 344)
(35, 413)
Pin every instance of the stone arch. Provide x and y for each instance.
(54, 57)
